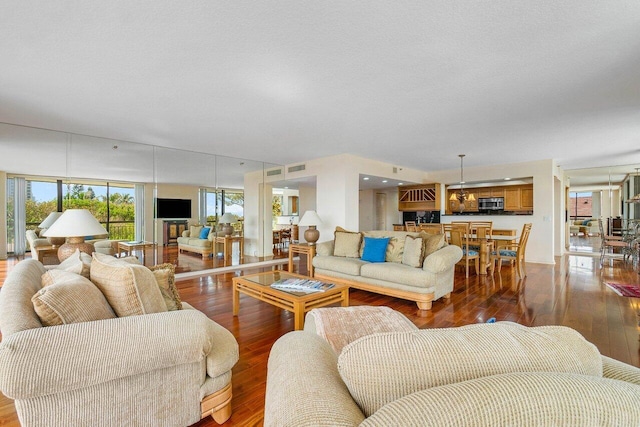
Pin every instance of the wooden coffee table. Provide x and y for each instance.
(259, 286)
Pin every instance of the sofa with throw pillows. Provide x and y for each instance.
(414, 266)
(199, 239)
(497, 374)
(106, 341)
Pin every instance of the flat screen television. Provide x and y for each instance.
(173, 208)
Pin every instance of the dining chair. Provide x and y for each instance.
(612, 247)
(410, 226)
(514, 252)
(459, 236)
(432, 228)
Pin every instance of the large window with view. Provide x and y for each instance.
(112, 204)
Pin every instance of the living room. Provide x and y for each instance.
(185, 102)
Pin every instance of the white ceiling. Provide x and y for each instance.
(412, 83)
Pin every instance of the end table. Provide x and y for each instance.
(302, 248)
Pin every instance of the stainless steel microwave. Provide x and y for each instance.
(491, 203)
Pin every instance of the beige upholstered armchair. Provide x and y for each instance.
(165, 368)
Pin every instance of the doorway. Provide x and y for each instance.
(381, 211)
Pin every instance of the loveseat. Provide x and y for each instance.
(193, 240)
(117, 349)
(416, 266)
(477, 375)
(588, 227)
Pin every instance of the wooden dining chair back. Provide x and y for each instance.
(459, 236)
(514, 252)
(432, 228)
(410, 226)
(482, 229)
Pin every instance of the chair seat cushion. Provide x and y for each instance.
(469, 252)
(509, 253)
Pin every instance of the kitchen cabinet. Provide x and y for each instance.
(425, 197)
(517, 198)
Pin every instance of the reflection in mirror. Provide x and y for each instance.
(124, 179)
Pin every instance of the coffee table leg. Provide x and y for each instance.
(236, 300)
(345, 298)
(298, 316)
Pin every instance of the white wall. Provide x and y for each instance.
(367, 209)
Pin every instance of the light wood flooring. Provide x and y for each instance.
(570, 293)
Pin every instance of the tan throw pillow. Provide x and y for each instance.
(166, 278)
(130, 289)
(194, 230)
(347, 243)
(381, 368)
(69, 298)
(78, 263)
(431, 243)
(412, 255)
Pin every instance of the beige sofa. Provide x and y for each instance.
(165, 368)
(424, 283)
(190, 241)
(500, 374)
(586, 227)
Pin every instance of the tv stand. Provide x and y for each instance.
(172, 229)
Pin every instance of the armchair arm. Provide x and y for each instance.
(55, 359)
(324, 248)
(304, 387)
(442, 259)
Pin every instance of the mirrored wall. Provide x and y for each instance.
(140, 193)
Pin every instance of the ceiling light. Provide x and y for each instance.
(401, 183)
(366, 178)
(507, 179)
(384, 181)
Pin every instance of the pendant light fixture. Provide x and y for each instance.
(462, 195)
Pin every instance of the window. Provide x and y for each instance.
(580, 205)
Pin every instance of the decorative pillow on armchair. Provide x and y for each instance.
(69, 298)
(347, 243)
(130, 289)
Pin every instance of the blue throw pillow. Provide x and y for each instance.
(205, 232)
(375, 249)
(586, 222)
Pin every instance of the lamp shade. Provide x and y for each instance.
(75, 223)
(227, 218)
(310, 218)
(49, 220)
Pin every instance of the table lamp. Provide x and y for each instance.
(310, 219)
(75, 225)
(48, 222)
(226, 221)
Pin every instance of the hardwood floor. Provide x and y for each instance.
(570, 293)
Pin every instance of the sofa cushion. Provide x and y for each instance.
(205, 232)
(396, 273)
(130, 289)
(339, 264)
(517, 399)
(166, 278)
(199, 243)
(69, 298)
(347, 243)
(413, 251)
(375, 249)
(194, 230)
(78, 263)
(381, 368)
(431, 243)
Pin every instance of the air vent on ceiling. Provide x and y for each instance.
(297, 168)
(395, 169)
(274, 172)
